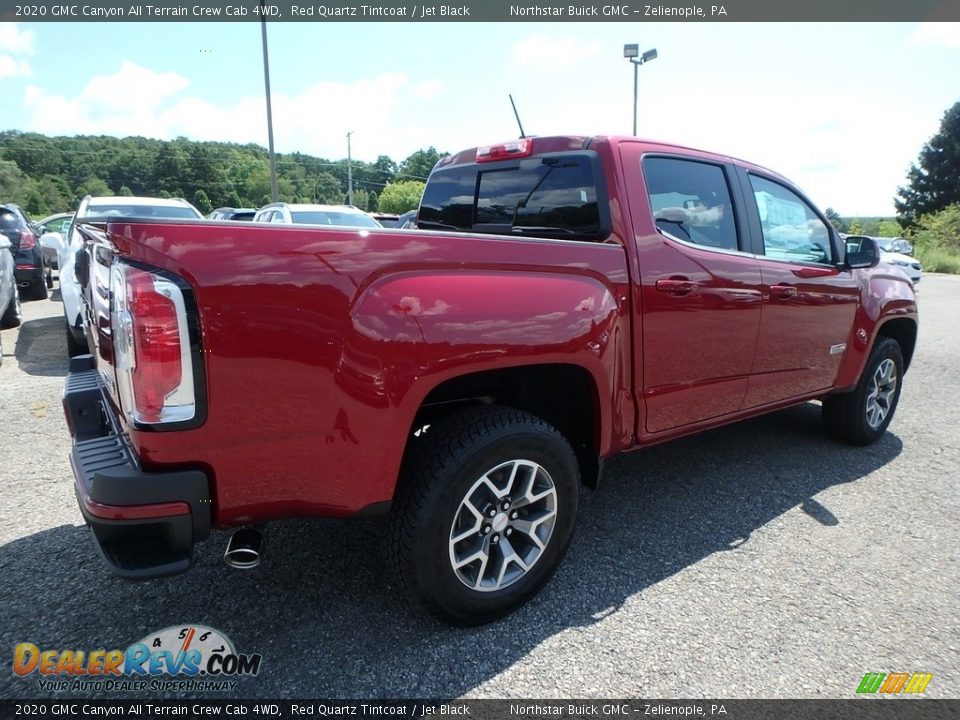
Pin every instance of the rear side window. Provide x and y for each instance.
(690, 201)
(549, 196)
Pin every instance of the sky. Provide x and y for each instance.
(842, 109)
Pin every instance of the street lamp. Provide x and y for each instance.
(632, 53)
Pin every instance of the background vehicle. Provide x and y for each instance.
(563, 299)
(891, 252)
(387, 220)
(407, 220)
(51, 230)
(339, 215)
(229, 213)
(103, 207)
(16, 225)
(9, 297)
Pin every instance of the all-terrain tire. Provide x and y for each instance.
(482, 479)
(861, 417)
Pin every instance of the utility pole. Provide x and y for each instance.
(349, 172)
(266, 82)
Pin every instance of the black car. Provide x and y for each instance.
(229, 213)
(16, 225)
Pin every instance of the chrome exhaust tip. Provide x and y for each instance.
(245, 549)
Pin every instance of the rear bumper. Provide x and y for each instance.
(145, 524)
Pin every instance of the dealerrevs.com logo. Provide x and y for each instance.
(184, 658)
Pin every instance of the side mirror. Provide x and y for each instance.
(862, 252)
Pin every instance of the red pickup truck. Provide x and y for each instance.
(562, 300)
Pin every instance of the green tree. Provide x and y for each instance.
(125, 191)
(401, 196)
(13, 183)
(233, 200)
(372, 202)
(933, 183)
(889, 228)
(855, 227)
(419, 164)
(48, 195)
(93, 186)
(834, 217)
(201, 202)
(327, 189)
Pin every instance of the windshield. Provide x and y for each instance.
(886, 244)
(142, 211)
(332, 217)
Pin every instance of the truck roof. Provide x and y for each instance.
(560, 143)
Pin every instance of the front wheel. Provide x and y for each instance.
(862, 416)
(484, 513)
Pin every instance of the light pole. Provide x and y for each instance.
(631, 52)
(349, 172)
(266, 82)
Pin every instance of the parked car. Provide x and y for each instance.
(144, 208)
(892, 251)
(407, 220)
(229, 213)
(9, 297)
(339, 215)
(387, 220)
(562, 300)
(16, 225)
(51, 230)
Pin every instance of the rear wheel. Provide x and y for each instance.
(862, 416)
(36, 290)
(483, 514)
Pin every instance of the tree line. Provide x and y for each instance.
(52, 174)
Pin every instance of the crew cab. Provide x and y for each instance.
(563, 299)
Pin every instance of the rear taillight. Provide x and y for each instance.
(28, 241)
(151, 344)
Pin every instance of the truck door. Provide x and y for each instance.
(809, 301)
(700, 285)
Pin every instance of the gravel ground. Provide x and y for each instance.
(758, 560)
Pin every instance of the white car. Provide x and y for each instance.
(339, 215)
(103, 207)
(888, 254)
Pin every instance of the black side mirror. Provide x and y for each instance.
(862, 252)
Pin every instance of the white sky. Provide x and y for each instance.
(840, 108)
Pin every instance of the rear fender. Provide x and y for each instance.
(413, 331)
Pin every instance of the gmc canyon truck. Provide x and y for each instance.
(562, 299)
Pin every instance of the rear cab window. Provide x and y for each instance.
(690, 202)
(554, 195)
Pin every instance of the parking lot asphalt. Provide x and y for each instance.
(758, 560)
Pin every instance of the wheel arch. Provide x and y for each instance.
(564, 395)
(904, 331)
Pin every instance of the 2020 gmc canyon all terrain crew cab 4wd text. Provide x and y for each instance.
(563, 299)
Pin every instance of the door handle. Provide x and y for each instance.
(782, 291)
(676, 286)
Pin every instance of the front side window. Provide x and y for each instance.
(551, 196)
(690, 201)
(792, 231)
